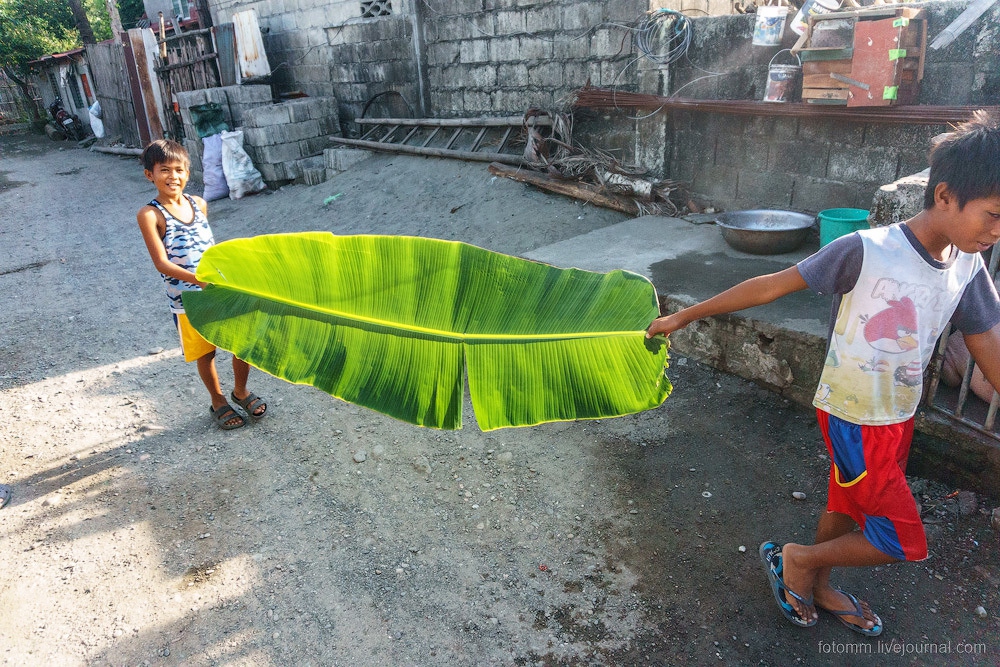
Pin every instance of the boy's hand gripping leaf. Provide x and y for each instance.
(388, 322)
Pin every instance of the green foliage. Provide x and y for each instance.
(30, 29)
(394, 323)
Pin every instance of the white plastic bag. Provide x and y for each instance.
(214, 176)
(96, 125)
(242, 176)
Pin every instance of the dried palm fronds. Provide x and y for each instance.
(556, 156)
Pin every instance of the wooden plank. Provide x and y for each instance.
(430, 137)
(133, 79)
(432, 152)
(807, 55)
(370, 132)
(503, 140)
(190, 63)
(478, 140)
(517, 121)
(111, 87)
(825, 93)
(225, 47)
(873, 42)
(582, 191)
(821, 81)
(454, 136)
(826, 67)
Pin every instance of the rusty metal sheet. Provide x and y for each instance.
(250, 55)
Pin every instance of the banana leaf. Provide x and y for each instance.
(393, 322)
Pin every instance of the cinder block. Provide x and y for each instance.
(270, 172)
(194, 152)
(305, 130)
(316, 145)
(281, 152)
(511, 23)
(292, 169)
(273, 114)
(299, 110)
(329, 126)
(342, 159)
(314, 175)
(546, 75)
(192, 98)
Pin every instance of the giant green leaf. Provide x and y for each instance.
(391, 323)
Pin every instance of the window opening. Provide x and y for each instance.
(374, 8)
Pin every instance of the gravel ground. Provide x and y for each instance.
(327, 534)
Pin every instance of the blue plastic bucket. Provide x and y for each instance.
(837, 222)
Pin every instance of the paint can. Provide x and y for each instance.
(768, 25)
(800, 22)
(783, 80)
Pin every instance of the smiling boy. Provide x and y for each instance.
(175, 229)
(895, 290)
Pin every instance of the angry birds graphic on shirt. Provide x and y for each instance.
(894, 329)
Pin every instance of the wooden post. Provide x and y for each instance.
(116, 19)
(163, 38)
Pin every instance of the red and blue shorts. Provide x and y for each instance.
(868, 483)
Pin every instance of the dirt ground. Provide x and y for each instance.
(140, 534)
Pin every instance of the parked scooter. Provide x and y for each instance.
(67, 123)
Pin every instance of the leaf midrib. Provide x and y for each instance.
(440, 333)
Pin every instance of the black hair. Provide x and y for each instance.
(967, 160)
(164, 150)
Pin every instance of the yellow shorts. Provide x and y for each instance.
(193, 345)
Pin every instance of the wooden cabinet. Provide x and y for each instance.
(865, 58)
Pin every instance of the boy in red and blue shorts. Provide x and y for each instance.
(896, 289)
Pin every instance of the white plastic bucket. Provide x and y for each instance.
(768, 25)
(783, 80)
(812, 8)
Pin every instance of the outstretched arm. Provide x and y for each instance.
(749, 293)
(985, 349)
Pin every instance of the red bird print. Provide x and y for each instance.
(892, 330)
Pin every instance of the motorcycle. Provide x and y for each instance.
(69, 124)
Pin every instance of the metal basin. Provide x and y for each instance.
(765, 232)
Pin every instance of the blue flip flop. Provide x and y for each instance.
(858, 611)
(770, 555)
(5, 495)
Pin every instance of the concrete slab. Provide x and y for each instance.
(692, 262)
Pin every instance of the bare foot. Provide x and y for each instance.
(833, 600)
(799, 580)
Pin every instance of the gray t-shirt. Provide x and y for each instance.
(836, 267)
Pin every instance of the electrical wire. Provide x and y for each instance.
(669, 30)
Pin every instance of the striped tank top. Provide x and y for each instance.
(185, 243)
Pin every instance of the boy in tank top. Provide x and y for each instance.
(175, 229)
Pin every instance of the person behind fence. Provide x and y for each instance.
(175, 228)
(894, 290)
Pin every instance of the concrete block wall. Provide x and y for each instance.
(502, 57)
(236, 102)
(806, 164)
(282, 139)
(324, 48)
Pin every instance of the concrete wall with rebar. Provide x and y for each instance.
(802, 163)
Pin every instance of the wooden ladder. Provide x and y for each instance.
(482, 139)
